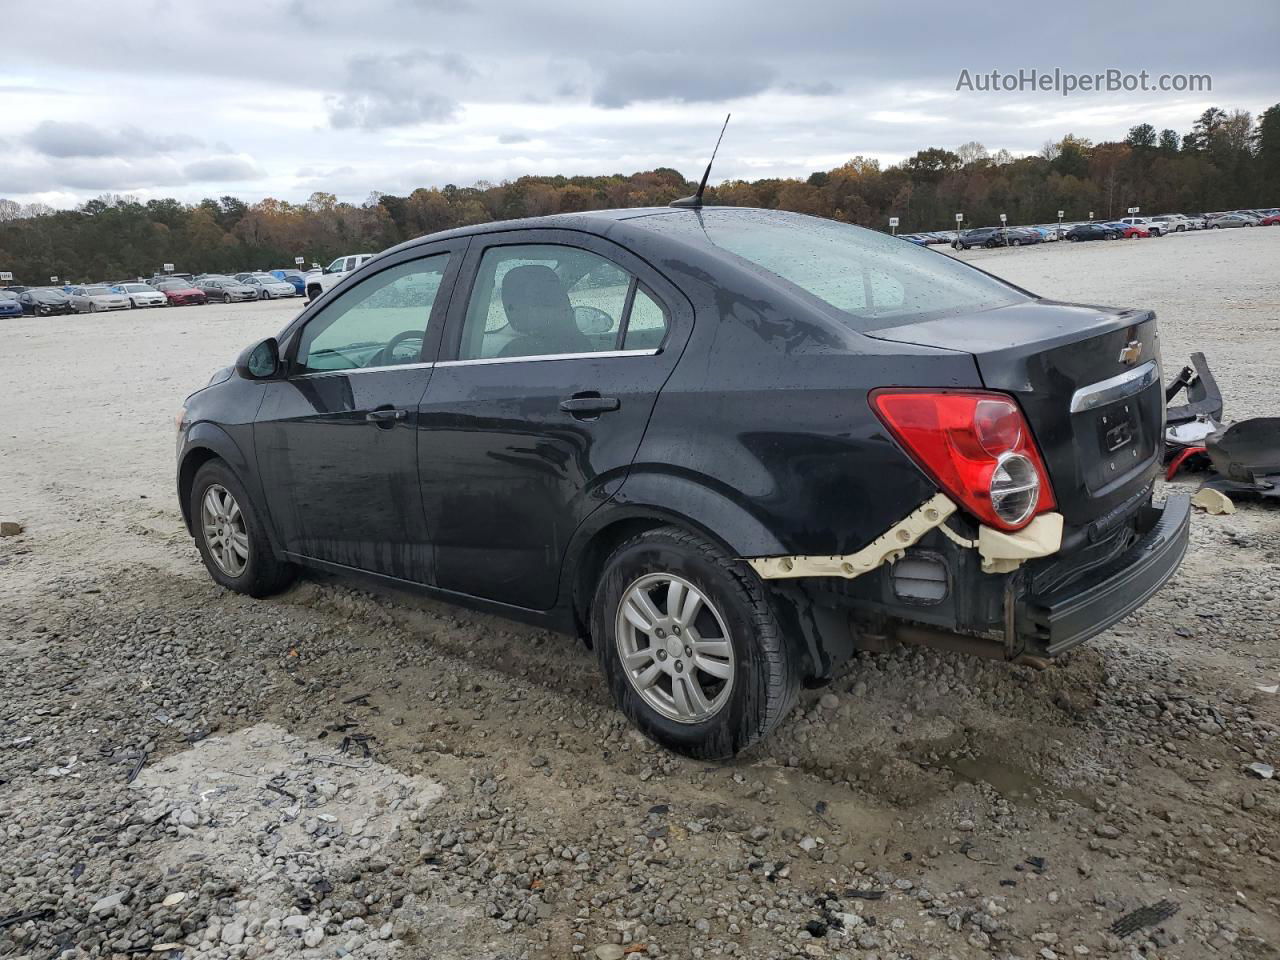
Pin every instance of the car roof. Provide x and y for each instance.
(590, 220)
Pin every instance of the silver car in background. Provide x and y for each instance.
(94, 299)
(141, 294)
(226, 289)
(1225, 220)
(267, 286)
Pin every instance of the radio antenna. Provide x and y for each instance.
(695, 201)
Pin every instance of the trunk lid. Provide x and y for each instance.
(1088, 380)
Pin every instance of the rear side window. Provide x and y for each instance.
(647, 325)
(539, 300)
(874, 279)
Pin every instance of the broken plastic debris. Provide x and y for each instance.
(1274, 688)
(1263, 770)
(1213, 501)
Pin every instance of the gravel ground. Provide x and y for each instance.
(188, 772)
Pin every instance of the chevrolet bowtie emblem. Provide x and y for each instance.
(1131, 352)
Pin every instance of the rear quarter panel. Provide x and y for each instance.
(763, 433)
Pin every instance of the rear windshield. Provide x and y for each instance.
(874, 279)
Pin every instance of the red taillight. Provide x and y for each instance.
(976, 446)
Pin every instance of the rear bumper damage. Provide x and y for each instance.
(1060, 618)
(1035, 594)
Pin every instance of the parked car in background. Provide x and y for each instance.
(1021, 236)
(334, 273)
(1129, 231)
(585, 453)
(17, 288)
(1092, 231)
(181, 293)
(295, 277)
(142, 294)
(1229, 220)
(96, 298)
(10, 305)
(1176, 222)
(44, 301)
(980, 237)
(267, 286)
(1153, 229)
(226, 289)
(1270, 220)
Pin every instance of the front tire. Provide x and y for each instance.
(231, 536)
(690, 645)
(226, 298)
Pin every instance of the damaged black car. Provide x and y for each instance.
(728, 447)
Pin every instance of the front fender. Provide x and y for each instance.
(202, 441)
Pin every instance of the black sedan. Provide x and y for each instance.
(1093, 231)
(44, 301)
(728, 447)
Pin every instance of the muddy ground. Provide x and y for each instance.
(187, 772)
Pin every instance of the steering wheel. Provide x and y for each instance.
(386, 357)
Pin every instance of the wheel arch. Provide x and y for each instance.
(701, 510)
(206, 442)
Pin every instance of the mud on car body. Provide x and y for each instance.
(728, 447)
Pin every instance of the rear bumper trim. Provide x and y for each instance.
(1060, 620)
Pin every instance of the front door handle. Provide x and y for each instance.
(385, 417)
(588, 406)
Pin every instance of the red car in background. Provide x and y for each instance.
(1270, 221)
(1131, 230)
(180, 292)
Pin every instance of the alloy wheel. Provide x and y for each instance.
(675, 648)
(225, 533)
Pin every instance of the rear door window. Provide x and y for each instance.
(540, 300)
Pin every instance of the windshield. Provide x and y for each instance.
(266, 278)
(172, 285)
(137, 288)
(48, 294)
(876, 280)
(96, 291)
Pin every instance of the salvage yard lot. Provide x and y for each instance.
(490, 803)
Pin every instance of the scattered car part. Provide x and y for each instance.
(1144, 917)
(1204, 399)
(1213, 501)
(1263, 771)
(1198, 455)
(1246, 456)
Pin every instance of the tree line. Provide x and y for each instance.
(1227, 160)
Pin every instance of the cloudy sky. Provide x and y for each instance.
(280, 98)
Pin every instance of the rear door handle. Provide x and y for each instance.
(385, 416)
(589, 406)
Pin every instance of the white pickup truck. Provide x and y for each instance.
(333, 273)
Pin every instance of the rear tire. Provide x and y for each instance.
(753, 679)
(226, 298)
(254, 570)
(312, 293)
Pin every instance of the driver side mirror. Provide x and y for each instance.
(261, 361)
